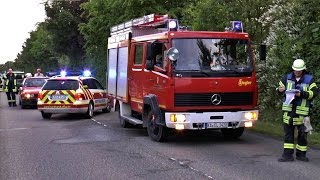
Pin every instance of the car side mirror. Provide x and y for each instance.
(85, 86)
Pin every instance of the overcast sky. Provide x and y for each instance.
(17, 18)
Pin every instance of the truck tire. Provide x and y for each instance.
(156, 132)
(232, 133)
(46, 115)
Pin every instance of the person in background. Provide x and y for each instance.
(296, 112)
(10, 87)
(38, 73)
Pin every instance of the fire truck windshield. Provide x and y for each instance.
(213, 55)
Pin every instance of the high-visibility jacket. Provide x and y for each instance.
(10, 86)
(300, 106)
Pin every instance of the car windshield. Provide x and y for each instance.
(61, 85)
(33, 82)
(213, 55)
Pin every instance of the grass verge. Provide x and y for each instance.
(276, 130)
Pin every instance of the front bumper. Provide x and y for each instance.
(211, 120)
(30, 102)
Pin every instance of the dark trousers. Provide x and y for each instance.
(289, 138)
(11, 98)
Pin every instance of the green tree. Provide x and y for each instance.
(63, 18)
(216, 15)
(37, 52)
(294, 34)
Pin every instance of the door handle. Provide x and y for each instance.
(151, 79)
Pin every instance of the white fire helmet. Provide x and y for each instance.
(298, 65)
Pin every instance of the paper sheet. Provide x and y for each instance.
(290, 94)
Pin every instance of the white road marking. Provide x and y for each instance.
(100, 123)
(190, 167)
(13, 129)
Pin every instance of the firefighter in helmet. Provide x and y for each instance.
(10, 87)
(303, 89)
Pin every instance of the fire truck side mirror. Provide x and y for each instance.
(173, 54)
(263, 52)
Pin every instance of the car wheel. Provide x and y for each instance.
(23, 106)
(89, 113)
(106, 110)
(232, 133)
(46, 115)
(156, 132)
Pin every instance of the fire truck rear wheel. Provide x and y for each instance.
(232, 133)
(89, 113)
(156, 132)
(46, 115)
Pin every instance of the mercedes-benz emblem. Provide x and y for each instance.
(216, 99)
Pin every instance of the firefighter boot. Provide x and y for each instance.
(286, 159)
(14, 104)
(9, 103)
(302, 158)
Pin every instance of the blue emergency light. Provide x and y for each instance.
(86, 73)
(236, 26)
(63, 73)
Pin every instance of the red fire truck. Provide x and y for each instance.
(167, 78)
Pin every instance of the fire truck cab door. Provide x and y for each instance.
(155, 81)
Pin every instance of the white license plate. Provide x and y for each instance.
(217, 125)
(58, 97)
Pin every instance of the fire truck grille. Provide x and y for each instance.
(214, 99)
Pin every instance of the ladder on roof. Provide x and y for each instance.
(149, 24)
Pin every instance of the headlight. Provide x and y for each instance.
(27, 95)
(177, 118)
(251, 115)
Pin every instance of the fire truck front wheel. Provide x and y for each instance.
(156, 132)
(232, 133)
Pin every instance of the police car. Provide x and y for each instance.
(72, 94)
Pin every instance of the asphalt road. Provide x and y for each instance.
(71, 147)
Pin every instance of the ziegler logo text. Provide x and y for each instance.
(244, 83)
